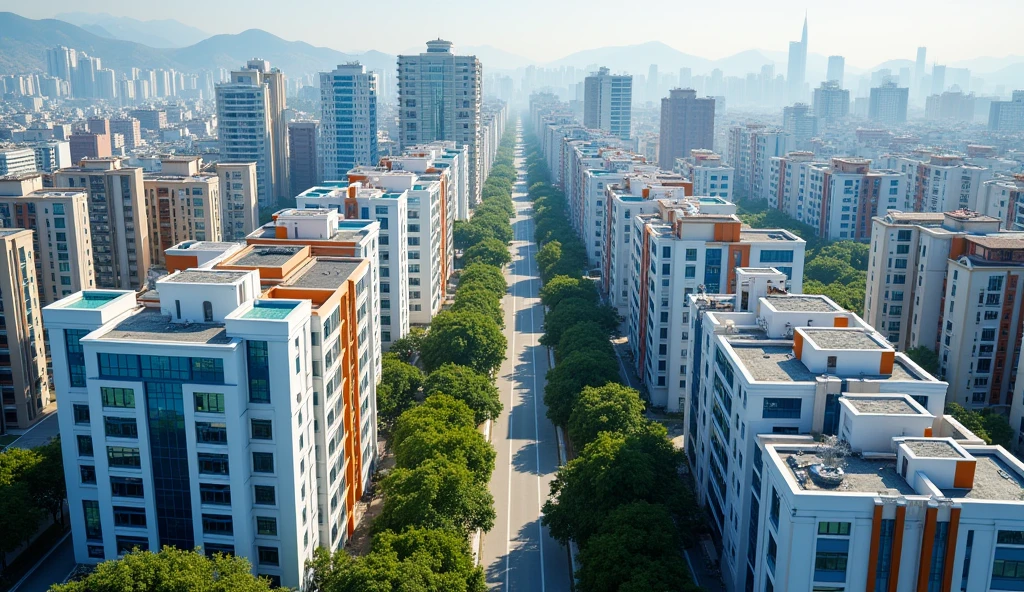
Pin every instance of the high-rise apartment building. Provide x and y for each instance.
(304, 165)
(238, 198)
(89, 145)
(941, 182)
(130, 128)
(750, 150)
(251, 126)
(800, 122)
(888, 104)
(61, 62)
(17, 161)
(24, 385)
(709, 175)
(831, 102)
(836, 68)
(439, 95)
(150, 119)
(193, 421)
(184, 204)
(348, 120)
(687, 123)
(687, 246)
(118, 219)
(1007, 116)
(796, 70)
(52, 155)
(608, 102)
(1003, 198)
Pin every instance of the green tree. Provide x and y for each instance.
(548, 255)
(464, 384)
(608, 408)
(570, 376)
(613, 470)
(46, 480)
(399, 382)
(829, 269)
(467, 338)
(416, 560)
(438, 411)
(496, 224)
(585, 336)
(466, 234)
(969, 419)
(19, 518)
(479, 300)
(925, 357)
(562, 287)
(998, 428)
(170, 570)
(438, 493)
(407, 347)
(489, 251)
(464, 445)
(574, 310)
(635, 548)
(15, 463)
(488, 277)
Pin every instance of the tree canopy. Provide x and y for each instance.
(465, 384)
(481, 300)
(489, 251)
(608, 408)
(438, 493)
(466, 338)
(399, 383)
(479, 275)
(569, 377)
(563, 287)
(571, 311)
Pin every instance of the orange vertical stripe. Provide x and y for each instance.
(947, 569)
(897, 548)
(927, 545)
(876, 535)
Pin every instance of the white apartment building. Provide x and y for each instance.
(17, 161)
(442, 155)
(193, 421)
(692, 245)
(52, 155)
(391, 211)
(940, 182)
(608, 102)
(751, 148)
(1003, 198)
(184, 204)
(238, 198)
(708, 174)
(764, 364)
(348, 119)
(637, 193)
(951, 282)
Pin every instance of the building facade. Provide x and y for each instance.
(184, 204)
(238, 198)
(348, 119)
(608, 102)
(687, 124)
(305, 167)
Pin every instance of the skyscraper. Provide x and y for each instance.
(305, 161)
(831, 101)
(796, 72)
(888, 103)
(439, 95)
(252, 127)
(922, 53)
(687, 123)
(348, 102)
(608, 102)
(836, 68)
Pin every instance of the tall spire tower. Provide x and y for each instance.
(796, 72)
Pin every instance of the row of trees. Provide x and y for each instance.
(31, 487)
(620, 499)
(437, 494)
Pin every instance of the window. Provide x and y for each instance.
(264, 495)
(76, 355)
(776, 256)
(834, 528)
(84, 445)
(691, 254)
(775, 408)
(209, 402)
(118, 365)
(164, 367)
(93, 527)
(267, 555)
(774, 508)
(120, 427)
(211, 549)
(215, 493)
(81, 413)
(773, 550)
(263, 462)
(262, 429)
(129, 516)
(217, 524)
(117, 397)
(257, 362)
(123, 456)
(88, 473)
(995, 283)
(208, 370)
(126, 487)
(266, 526)
(213, 464)
(207, 311)
(126, 544)
(830, 560)
(211, 432)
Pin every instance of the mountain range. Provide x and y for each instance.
(124, 42)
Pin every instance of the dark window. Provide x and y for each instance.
(117, 397)
(129, 516)
(275, 581)
(209, 402)
(266, 526)
(93, 527)
(834, 528)
(208, 370)
(774, 408)
(211, 432)
(215, 493)
(168, 444)
(883, 560)
(165, 367)
(268, 555)
(81, 413)
(263, 462)
(76, 355)
(120, 427)
(84, 445)
(207, 311)
(257, 363)
(126, 486)
(262, 429)
(265, 495)
(123, 456)
(211, 549)
(118, 365)
(217, 524)
(88, 473)
(126, 544)
(1010, 537)
(213, 464)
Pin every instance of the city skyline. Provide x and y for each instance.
(763, 29)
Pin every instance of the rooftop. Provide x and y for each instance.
(325, 274)
(842, 339)
(749, 235)
(267, 256)
(197, 276)
(801, 303)
(1013, 241)
(92, 300)
(10, 231)
(993, 480)
(883, 405)
(932, 448)
(153, 326)
(205, 245)
(862, 475)
(269, 310)
(772, 363)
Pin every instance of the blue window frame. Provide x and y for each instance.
(76, 355)
(777, 408)
(258, 365)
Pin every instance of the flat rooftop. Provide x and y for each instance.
(993, 480)
(749, 235)
(153, 326)
(269, 310)
(196, 276)
(325, 274)
(883, 406)
(933, 449)
(774, 361)
(93, 299)
(862, 475)
(267, 256)
(800, 303)
(10, 231)
(207, 246)
(842, 339)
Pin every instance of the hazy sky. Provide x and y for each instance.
(867, 32)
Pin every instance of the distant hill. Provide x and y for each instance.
(156, 33)
(25, 41)
(635, 58)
